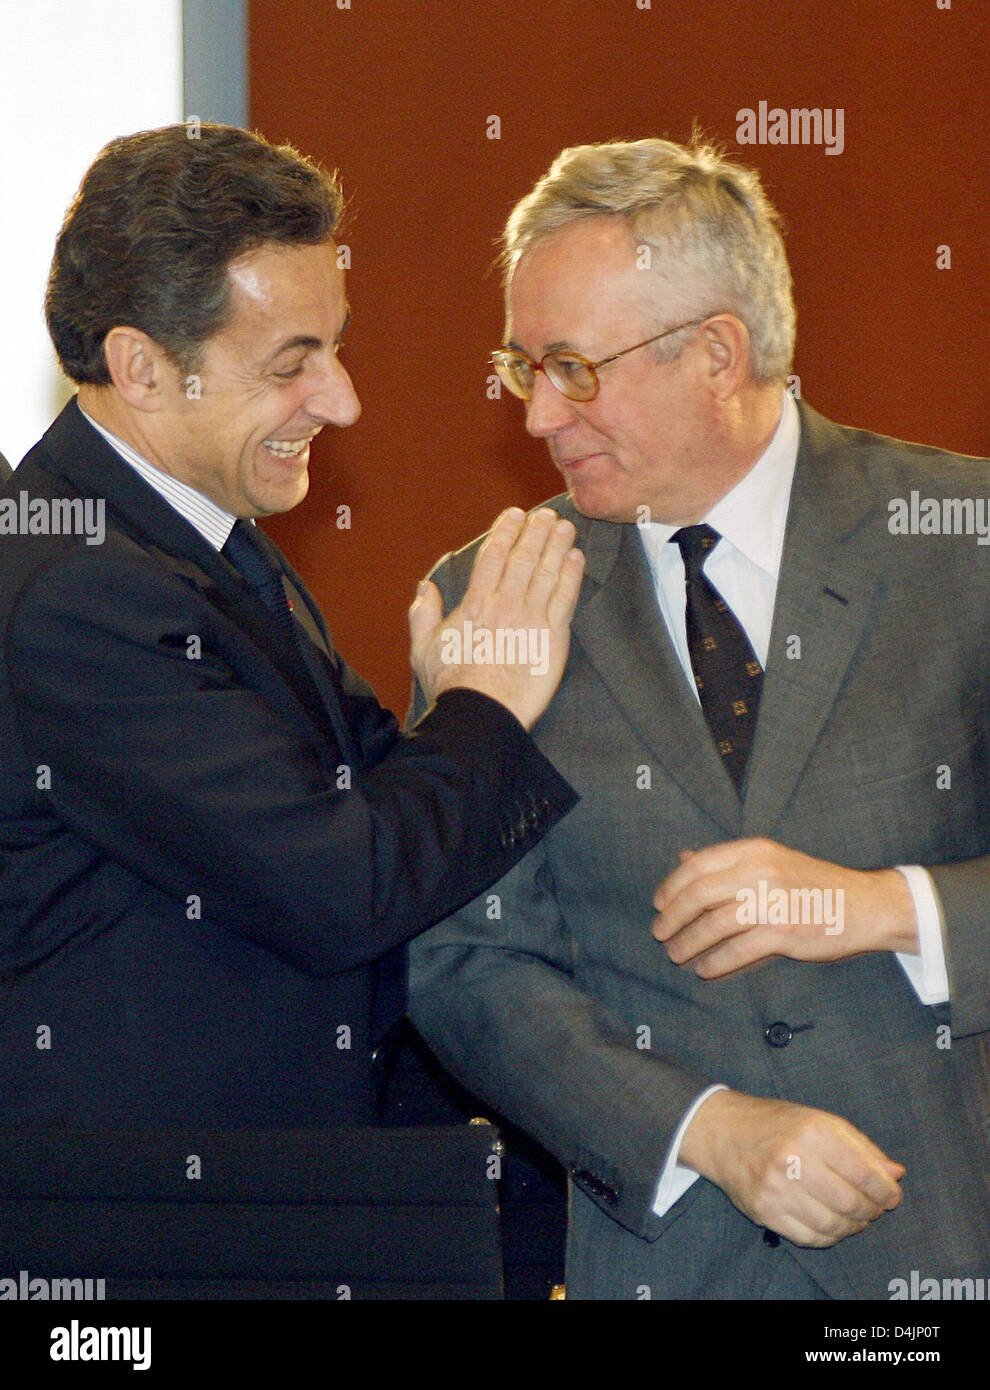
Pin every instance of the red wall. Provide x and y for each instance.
(397, 93)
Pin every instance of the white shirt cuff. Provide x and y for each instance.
(927, 973)
(676, 1178)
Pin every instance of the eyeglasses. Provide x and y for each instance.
(573, 375)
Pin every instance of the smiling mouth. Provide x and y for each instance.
(289, 448)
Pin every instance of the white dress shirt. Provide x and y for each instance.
(744, 567)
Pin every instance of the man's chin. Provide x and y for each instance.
(279, 484)
(597, 506)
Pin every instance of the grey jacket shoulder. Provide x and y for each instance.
(452, 571)
(883, 458)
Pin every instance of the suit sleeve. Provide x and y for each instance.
(964, 895)
(162, 758)
(492, 991)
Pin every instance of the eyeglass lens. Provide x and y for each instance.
(572, 376)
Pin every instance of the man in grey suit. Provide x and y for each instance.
(775, 708)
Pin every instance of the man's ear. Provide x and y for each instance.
(138, 367)
(727, 348)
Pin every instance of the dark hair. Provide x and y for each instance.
(157, 220)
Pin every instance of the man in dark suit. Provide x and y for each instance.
(210, 831)
(776, 708)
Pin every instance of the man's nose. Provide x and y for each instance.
(548, 410)
(334, 399)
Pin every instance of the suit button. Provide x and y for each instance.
(543, 806)
(507, 839)
(520, 829)
(533, 817)
(778, 1035)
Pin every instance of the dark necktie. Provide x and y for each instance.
(727, 673)
(246, 553)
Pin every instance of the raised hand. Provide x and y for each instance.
(509, 636)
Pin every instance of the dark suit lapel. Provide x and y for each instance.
(95, 469)
(825, 598)
(621, 631)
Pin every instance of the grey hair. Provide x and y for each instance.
(715, 234)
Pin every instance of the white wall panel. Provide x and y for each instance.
(73, 74)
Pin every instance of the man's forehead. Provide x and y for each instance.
(273, 272)
(247, 278)
(576, 277)
(282, 294)
(595, 244)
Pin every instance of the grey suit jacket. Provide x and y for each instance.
(550, 997)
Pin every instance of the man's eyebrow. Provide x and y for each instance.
(303, 340)
(300, 341)
(551, 347)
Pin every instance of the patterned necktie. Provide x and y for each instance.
(727, 673)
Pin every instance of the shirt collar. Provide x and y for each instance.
(211, 521)
(752, 516)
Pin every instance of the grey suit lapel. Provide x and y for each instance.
(621, 631)
(826, 599)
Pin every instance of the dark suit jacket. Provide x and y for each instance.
(191, 900)
(570, 1018)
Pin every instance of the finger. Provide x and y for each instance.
(543, 580)
(700, 894)
(567, 591)
(751, 947)
(871, 1197)
(816, 1196)
(526, 555)
(425, 613)
(813, 1223)
(694, 864)
(859, 1162)
(796, 1208)
(704, 932)
(850, 1201)
(489, 565)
